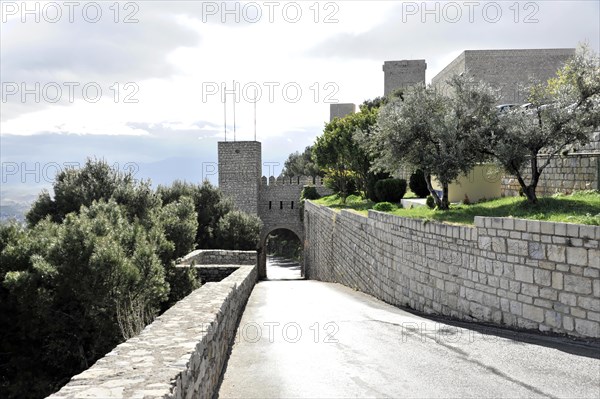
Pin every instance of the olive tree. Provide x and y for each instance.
(561, 113)
(435, 132)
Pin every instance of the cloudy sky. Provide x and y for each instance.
(141, 83)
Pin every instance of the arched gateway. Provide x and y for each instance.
(275, 201)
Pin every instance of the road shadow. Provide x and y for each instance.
(576, 346)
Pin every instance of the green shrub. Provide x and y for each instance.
(430, 202)
(384, 207)
(309, 193)
(418, 185)
(390, 190)
(372, 179)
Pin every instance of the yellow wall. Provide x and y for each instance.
(482, 182)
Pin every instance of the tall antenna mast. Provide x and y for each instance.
(225, 115)
(254, 118)
(234, 110)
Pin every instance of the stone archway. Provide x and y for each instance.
(262, 247)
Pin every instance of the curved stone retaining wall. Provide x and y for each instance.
(511, 272)
(180, 355)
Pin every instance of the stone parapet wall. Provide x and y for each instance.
(219, 257)
(510, 272)
(579, 170)
(180, 355)
(563, 175)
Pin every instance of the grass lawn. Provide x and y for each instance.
(580, 207)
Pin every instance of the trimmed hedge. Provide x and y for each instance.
(390, 190)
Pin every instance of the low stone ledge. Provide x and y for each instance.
(219, 257)
(180, 355)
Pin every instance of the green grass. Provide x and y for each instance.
(580, 207)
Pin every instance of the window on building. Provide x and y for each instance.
(280, 204)
(292, 204)
(270, 204)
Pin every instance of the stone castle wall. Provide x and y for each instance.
(180, 355)
(579, 170)
(509, 71)
(279, 203)
(516, 273)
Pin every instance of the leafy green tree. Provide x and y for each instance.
(96, 180)
(239, 230)
(338, 152)
(331, 153)
(434, 132)
(561, 113)
(180, 222)
(301, 164)
(73, 291)
(209, 203)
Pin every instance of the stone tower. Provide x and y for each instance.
(401, 74)
(240, 170)
(341, 110)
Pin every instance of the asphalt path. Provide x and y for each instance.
(309, 339)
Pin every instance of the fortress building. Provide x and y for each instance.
(402, 74)
(508, 71)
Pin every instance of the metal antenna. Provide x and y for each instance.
(225, 115)
(255, 117)
(234, 110)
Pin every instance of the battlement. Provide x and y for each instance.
(300, 181)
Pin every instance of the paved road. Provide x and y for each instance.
(283, 269)
(331, 341)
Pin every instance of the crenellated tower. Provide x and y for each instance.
(240, 170)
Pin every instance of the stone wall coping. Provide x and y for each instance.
(571, 230)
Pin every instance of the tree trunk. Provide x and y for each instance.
(535, 177)
(445, 200)
(436, 198)
(529, 192)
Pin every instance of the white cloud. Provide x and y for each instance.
(171, 53)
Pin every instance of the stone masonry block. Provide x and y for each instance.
(533, 313)
(587, 328)
(588, 232)
(579, 285)
(536, 250)
(594, 258)
(533, 226)
(508, 224)
(498, 244)
(568, 323)
(524, 273)
(557, 280)
(577, 256)
(547, 228)
(556, 253)
(520, 225)
(517, 247)
(588, 303)
(542, 277)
